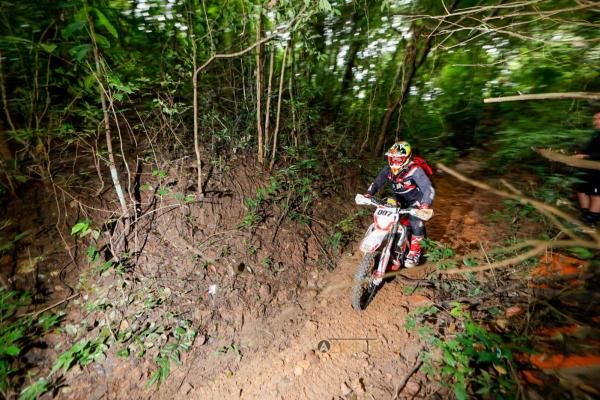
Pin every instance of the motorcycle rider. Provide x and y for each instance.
(412, 188)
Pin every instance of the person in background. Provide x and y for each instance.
(412, 188)
(589, 191)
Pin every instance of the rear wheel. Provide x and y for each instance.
(363, 288)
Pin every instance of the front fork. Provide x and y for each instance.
(387, 252)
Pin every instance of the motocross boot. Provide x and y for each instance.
(414, 255)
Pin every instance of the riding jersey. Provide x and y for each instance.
(591, 177)
(411, 185)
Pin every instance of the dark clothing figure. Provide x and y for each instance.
(589, 192)
(412, 188)
(591, 184)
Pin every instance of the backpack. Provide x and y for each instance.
(420, 162)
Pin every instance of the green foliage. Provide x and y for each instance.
(346, 230)
(233, 348)
(267, 262)
(474, 361)
(18, 333)
(581, 252)
(81, 353)
(439, 253)
(297, 181)
(35, 390)
(184, 337)
(83, 228)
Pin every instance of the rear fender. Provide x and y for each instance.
(372, 240)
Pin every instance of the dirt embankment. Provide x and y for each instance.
(261, 296)
(366, 353)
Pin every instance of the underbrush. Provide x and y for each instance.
(492, 334)
(19, 333)
(465, 355)
(292, 188)
(127, 315)
(148, 309)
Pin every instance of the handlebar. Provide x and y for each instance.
(423, 214)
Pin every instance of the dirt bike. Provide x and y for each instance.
(387, 238)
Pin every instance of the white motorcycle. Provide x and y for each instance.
(387, 237)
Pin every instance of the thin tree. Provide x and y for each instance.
(108, 135)
(259, 56)
(279, 95)
(415, 54)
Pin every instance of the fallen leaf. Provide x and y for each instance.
(502, 323)
(512, 311)
(123, 325)
(500, 369)
(478, 346)
(531, 377)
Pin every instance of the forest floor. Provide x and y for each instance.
(370, 351)
(264, 303)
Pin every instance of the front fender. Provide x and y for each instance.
(372, 240)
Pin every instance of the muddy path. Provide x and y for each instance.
(262, 335)
(318, 347)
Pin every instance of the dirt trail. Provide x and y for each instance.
(290, 367)
(370, 351)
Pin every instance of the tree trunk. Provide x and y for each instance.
(122, 243)
(355, 45)
(268, 105)
(259, 56)
(411, 62)
(276, 131)
(405, 74)
(195, 72)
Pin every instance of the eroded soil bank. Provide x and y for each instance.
(262, 298)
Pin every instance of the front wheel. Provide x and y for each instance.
(363, 288)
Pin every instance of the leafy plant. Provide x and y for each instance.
(249, 220)
(474, 361)
(18, 333)
(437, 251)
(35, 390)
(346, 230)
(233, 347)
(184, 337)
(81, 353)
(7, 246)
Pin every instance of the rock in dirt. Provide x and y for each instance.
(346, 390)
(513, 311)
(310, 326)
(264, 292)
(298, 370)
(304, 364)
(417, 300)
(470, 219)
(412, 388)
(358, 386)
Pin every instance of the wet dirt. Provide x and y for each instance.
(318, 347)
(285, 334)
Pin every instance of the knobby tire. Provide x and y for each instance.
(362, 288)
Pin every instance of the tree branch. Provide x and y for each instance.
(568, 160)
(545, 96)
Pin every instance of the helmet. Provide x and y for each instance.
(399, 156)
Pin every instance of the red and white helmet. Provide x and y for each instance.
(399, 156)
